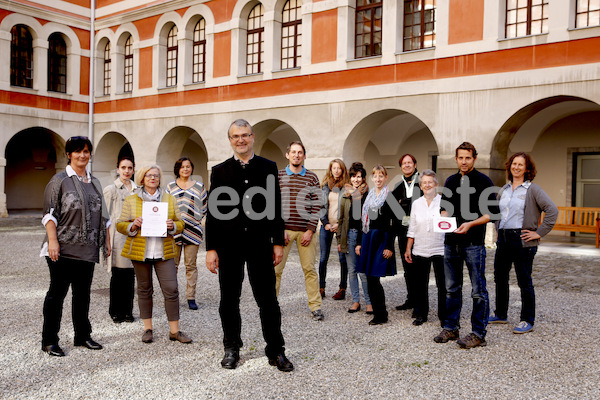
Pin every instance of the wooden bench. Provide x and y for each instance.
(578, 219)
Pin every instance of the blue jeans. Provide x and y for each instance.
(474, 257)
(352, 259)
(510, 250)
(325, 239)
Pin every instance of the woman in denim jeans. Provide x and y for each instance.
(521, 204)
(349, 232)
(333, 183)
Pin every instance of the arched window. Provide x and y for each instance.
(368, 28)
(419, 24)
(21, 57)
(128, 66)
(199, 57)
(172, 48)
(57, 64)
(107, 68)
(254, 48)
(291, 34)
(526, 17)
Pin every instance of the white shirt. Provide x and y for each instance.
(427, 242)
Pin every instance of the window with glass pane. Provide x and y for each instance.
(419, 24)
(128, 66)
(57, 64)
(368, 28)
(587, 13)
(199, 56)
(21, 57)
(254, 48)
(107, 67)
(172, 48)
(291, 34)
(526, 17)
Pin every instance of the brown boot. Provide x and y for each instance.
(340, 295)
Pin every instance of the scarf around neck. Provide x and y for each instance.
(372, 202)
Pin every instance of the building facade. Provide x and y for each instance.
(353, 79)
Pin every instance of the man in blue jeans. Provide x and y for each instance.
(469, 196)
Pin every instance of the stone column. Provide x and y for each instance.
(3, 210)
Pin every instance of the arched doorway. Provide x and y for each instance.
(382, 137)
(272, 139)
(562, 134)
(33, 156)
(109, 149)
(183, 142)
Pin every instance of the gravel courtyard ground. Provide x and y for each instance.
(341, 357)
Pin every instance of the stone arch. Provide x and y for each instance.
(383, 136)
(33, 156)
(106, 153)
(272, 137)
(179, 142)
(553, 130)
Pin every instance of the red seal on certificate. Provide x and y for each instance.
(155, 209)
(444, 225)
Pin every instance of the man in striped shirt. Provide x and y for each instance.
(301, 206)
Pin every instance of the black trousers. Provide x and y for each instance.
(422, 267)
(377, 295)
(261, 273)
(66, 272)
(122, 283)
(409, 269)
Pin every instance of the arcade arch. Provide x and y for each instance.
(33, 156)
(108, 150)
(383, 136)
(179, 142)
(557, 131)
(272, 138)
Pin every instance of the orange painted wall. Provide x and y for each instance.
(84, 76)
(82, 3)
(4, 13)
(222, 60)
(102, 3)
(221, 9)
(465, 21)
(84, 38)
(324, 37)
(146, 27)
(145, 68)
(43, 102)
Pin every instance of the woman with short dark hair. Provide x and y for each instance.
(192, 201)
(76, 221)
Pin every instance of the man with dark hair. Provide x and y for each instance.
(468, 195)
(244, 214)
(301, 208)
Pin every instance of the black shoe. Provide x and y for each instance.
(405, 306)
(419, 321)
(353, 310)
(129, 318)
(192, 305)
(231, 358)
(282, 363)
(117, 319)
(53, 350)
(377, 321)
(89, 344)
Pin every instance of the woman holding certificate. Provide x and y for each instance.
(425, 247)
(149, 219)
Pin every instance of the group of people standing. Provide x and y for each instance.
(265, 211)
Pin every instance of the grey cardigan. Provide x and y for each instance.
(536, 201)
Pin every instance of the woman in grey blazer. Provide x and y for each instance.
(519, 233)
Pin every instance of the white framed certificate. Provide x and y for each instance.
(444, 224)
(154, 219)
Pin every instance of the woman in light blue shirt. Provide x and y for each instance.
(521, 204)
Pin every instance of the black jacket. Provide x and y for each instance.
(237, 213)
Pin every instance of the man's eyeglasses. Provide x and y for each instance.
(244, 136)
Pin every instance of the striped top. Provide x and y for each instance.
(300, 199)
(192, 204)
